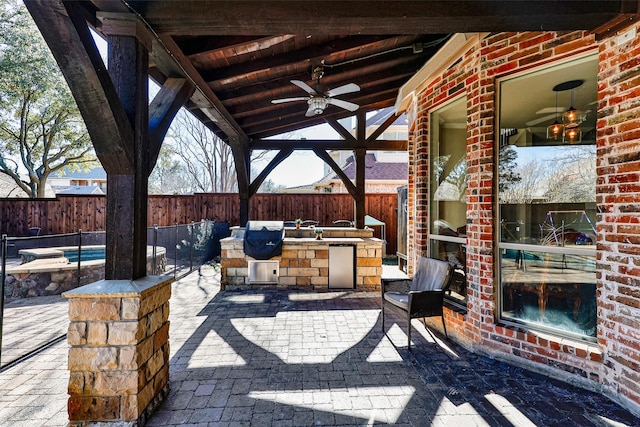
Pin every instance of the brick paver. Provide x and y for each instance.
(297, 358)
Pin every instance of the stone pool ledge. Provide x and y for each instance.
(119, 350)
(48, 272)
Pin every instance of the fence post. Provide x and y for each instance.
(79, 253)
(4, 269)
(175, 253)
(191, 227)
(153, 251)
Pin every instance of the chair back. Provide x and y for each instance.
(431, 275)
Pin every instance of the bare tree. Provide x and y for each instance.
(206, 159)
(575, 176)
(533, 176)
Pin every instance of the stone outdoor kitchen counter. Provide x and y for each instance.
(304, 262)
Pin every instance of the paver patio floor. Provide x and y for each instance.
(299, 358)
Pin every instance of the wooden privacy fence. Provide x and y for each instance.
(67, 214)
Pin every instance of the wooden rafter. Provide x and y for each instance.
(173, 94)
(66, 32)
(322, 154)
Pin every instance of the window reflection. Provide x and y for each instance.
(549, 289)
(546, 195)
(448, 186)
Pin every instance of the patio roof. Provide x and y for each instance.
(226, 61)
(241, 55)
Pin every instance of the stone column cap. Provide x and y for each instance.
(118, 288)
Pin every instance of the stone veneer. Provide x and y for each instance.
(45, 271)
(305, 260)
(119, 354)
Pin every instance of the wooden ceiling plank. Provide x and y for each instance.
(342, 45)
(203, 45)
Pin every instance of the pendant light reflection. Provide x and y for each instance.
(572, 135)
(571, 119)
(555, 129)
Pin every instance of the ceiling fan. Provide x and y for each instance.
(319, 98)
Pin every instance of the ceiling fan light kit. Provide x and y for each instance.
(316, 105)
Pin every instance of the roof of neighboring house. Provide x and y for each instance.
(379, 118)
(95, 173)
(77, 189)
(375, 170)
(8, 187)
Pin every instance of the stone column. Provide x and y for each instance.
(119, 355)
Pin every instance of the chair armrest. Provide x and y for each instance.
(426, 303)
(396, 285)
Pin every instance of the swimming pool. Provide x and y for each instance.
(88, 254)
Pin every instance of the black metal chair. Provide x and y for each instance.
(419, 297)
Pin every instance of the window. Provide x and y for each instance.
(448, 185)
(546, 196)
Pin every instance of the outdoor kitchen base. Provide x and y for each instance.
(304, 262)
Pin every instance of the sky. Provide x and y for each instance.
(302, 167)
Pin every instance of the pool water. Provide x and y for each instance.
(87, 254)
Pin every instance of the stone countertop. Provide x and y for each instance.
(307, 240)
(295, 241)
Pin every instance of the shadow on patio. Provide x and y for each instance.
(283, 357)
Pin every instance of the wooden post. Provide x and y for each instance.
(127, 193)
(360, 157)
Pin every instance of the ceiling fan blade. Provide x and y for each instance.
(305, 87)
(341, 90)
(343, 104)
(280, 101)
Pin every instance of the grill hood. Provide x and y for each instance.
(263, 239)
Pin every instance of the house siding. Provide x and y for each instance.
(612, 364)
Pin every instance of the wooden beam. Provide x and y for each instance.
(279, 158)
(337, 126)
(173, 94)
(223, 119)
(377, 17)
(336, 168)
(325, 144)
(384, 126)
(66, 32)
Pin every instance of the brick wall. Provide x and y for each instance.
(615, 361)
(618, 198)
